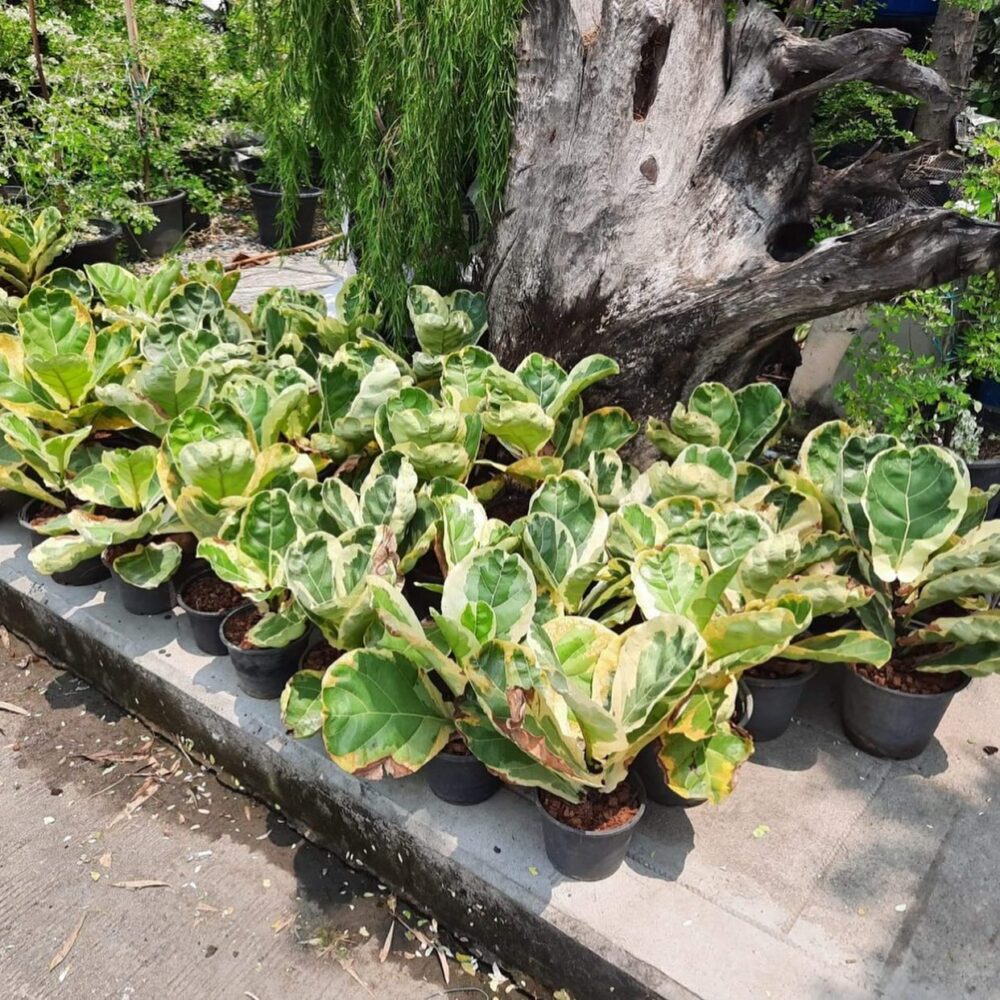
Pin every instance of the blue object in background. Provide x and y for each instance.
(908, 8)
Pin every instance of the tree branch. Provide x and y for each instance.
(873, 174)
(916, 248)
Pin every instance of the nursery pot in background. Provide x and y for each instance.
(262, 673)
(589, 855)
(13, 194)
(100, 249)
(654, 781)
(985, 473)
(267, 208)
(775, 700)
(888, 723)
(139, 600)
(166, 233)
(205, 624)
(460, 778)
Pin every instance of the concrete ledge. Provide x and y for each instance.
(751, 916)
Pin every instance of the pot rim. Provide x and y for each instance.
(984, 463)
(230, 648)
(306, 191)
(807, 675)
(636, 782)
(911, 694)
(164, 201)
(193, 611)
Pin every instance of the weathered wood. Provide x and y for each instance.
(953, 43)
(661, 187)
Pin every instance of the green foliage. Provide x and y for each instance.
(79, 149)
(408, 104)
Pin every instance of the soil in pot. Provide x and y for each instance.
(207, 600)
(267, 209)
(167, 231)
(777, 689)
(99, 248)
(320, 656)
(894, 712)
(456, 776)
(260, 673)
(597, 811)
(589, 840)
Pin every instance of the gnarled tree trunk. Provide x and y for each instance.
(661, 186)
(953, 43)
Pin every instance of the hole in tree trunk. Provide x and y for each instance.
(790, 240)
(652, 58)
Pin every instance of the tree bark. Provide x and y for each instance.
(953, 43)
(662, 183)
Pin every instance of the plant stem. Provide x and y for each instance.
(36, 46)
(140, 80)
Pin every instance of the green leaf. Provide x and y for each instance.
(762, 411)
(498, 579)
(148, 566)
(382, 716)
(846, 646)
(62, 553)
(302, 704)
(914, 500)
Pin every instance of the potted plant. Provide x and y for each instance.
(266, 635)
(922, 545)
(29, 246)
(136, 535)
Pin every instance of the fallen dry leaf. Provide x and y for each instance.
(387, 944)
(148, 883)
(147, 790)
(67, 946)
(444, 965)
(6, 706)
(105, 860)
(4, 637)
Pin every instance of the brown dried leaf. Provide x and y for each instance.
(444, 965)
(148, 883)
(6, 706)
(387, 944)
(67, 946)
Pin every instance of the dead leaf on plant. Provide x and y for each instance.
(67, 946)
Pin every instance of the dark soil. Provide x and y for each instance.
(899, 677)
(210, 594)
(237, 627)
(320, 656)
(990, 447)
(45, 513)
(510, 505)
(776, 670)
(456, 745)
(597, 811)
(112, 552)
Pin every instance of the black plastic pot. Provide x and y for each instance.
(140, 601)
(460, 779)
(586, 855)
(774, 702)
(654, 781)
(26, 515)
(102, 249)
(888, 723)
(985, 474)
(14, 194)
(262, 673)
(204, 624)
(84, 574)
(249, 163)
(267, 207)
(167, 232)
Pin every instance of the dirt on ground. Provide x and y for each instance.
(128, 870)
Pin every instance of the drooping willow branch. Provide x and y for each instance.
(408, 102)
